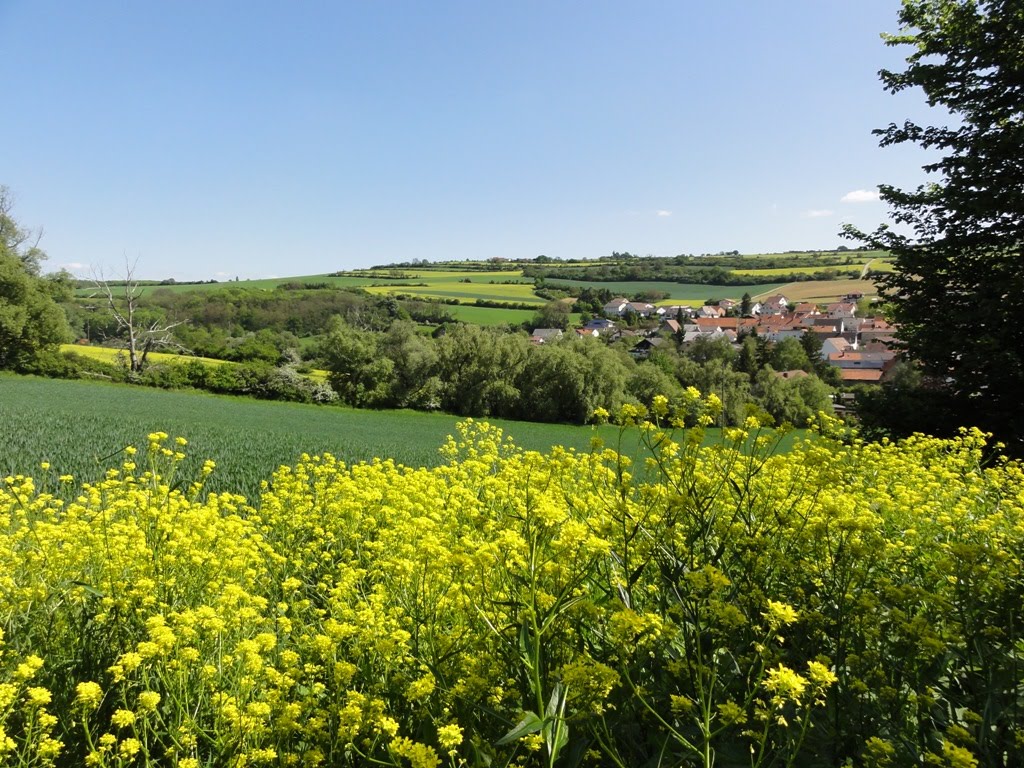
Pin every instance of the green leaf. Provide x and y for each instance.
(560, 740)
(555, 703)
(530, 723)
(556, 730)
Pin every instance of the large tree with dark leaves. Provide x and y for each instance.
(958, 288)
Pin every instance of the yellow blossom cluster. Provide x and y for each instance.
(508, 605)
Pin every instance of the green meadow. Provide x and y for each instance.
(81, 427)
(468, 313)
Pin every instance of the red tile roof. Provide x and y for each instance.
(861, 374)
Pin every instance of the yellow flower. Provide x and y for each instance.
(7, 744)
(732, 713)
(123, 718)
(820, 675)
(419, 755)
(130, 661)
(38, 697)
(681, 705)
(388, 726)
(28, 668)
(779, 614)
(148, 701)
(785, 685)
(48, 749)
(659, 406)
(449, 737)
(88, 695)
(420, 690)
(533, 742)
(128, 748)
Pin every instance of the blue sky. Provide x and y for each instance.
(210, 140)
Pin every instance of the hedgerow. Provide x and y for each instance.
(726, 605)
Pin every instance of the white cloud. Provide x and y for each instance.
(860, 196)
(664, 213)
(73, 266)
(817, 214)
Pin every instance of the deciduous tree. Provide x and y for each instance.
(17, 241)
(30, 320)
(960, 259)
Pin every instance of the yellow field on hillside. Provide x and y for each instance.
(110, 355)
(463, 292)
(821, 291)
(798, 270)
(439, 276)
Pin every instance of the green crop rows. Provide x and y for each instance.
(80, 427)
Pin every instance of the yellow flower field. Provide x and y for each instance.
(111, 355)
(842, 601)
(117, 356)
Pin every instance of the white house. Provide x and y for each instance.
(616, 307)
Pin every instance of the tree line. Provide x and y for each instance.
(478, 371)
(664, 270)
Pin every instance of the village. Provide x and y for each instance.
(859, 347)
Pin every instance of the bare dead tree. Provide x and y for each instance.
(122, 302)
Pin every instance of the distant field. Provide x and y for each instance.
(265, 284)
(799, 270)
(440, 276)
(508, 286)
(80, 427)
(465, 287)
(109, 355)
(490, 316)
(448, 282)
(465, 292)
(881, 265)
(860, 256)
(680, 293)
(872, 262)
(821, 291)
